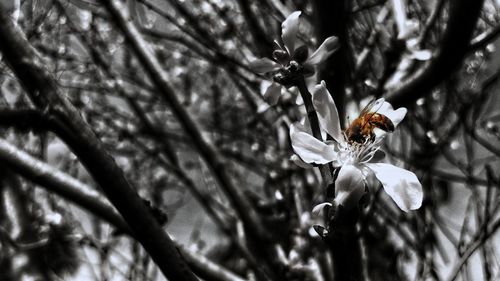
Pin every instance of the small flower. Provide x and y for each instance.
(290, 62)
(355, 159)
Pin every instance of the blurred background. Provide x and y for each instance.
(450, 138)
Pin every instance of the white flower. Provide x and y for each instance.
(290, 61)
(355, 159)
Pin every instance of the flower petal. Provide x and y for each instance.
(271, 92)
(349, 186)
(327, 48)
(327, 111)
(289, 30)
(318, 209)
(386, 109)
(264, 65)
(401, 185)
(297, 161)
(310, 149)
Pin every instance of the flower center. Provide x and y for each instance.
(358, 153)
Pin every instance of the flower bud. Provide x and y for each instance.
(281, 56)
(301, 54)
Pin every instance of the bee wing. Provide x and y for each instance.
(370, 109)
(373, 104)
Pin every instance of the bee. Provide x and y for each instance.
(361, 129)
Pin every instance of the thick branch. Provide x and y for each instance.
(45, 94)
(87, 198)
(332, 19)
(462, 20)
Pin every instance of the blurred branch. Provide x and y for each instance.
(372, 39)
(209, 153)
(193, 21)
(260, 39)
(368, 6)
(485, 38)
(479, 241)
(462, 19)
(87, 198)
(199, 35)
(59, 183)
(429, 24)
(332, 19)
(150, 128)
(399, 15)
(45, 94)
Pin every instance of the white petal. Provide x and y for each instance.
(401, 185)
(327, 111)
(349, 186)
(272, 93)
(289, 30)
(327, 48)
(297, 161)
(304, 125)
(318, 209)
(386, 109)
(264, 65)
(310, 149)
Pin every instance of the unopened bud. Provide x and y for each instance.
(281, 56)
(301, 54)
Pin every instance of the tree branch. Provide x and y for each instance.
(332, 19)
(45, 94)
(462, 19)
(209, 153)
(87, 198)
(262, 42)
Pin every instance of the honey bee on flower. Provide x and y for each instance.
(363, 127)
(356, 151)
(290, 61)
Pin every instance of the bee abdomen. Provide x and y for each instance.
(382, 122)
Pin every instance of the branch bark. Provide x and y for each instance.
(45, 94)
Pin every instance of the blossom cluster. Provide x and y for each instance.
(291, 61)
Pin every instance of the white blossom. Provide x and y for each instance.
(355, 160)
(290, 60)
